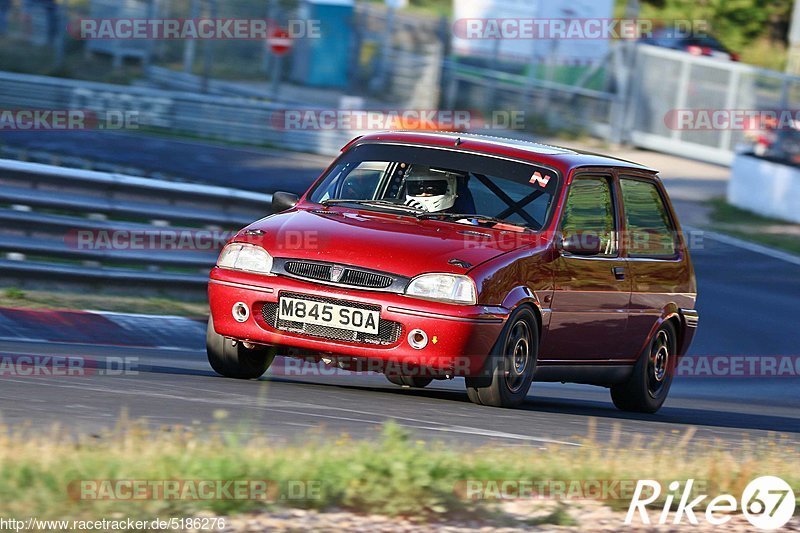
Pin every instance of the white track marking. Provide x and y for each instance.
(377, 418)
(746, 245)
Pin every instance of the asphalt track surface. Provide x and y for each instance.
(748, 306)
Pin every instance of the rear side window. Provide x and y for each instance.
(590, 210)
(649, 230)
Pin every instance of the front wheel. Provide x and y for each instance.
(511, 365)
(232, 360)
(647, 388)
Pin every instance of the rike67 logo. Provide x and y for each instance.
(767, 502)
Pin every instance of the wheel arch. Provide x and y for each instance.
(670, 313)
(523, 296)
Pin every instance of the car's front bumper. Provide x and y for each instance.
(459, 337)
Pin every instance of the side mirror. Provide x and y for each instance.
(281, 201)
(583, 244)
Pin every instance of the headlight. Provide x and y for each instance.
(247, 257)
(443, 287)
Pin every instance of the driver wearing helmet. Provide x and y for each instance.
(431, 192)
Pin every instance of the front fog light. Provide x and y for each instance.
(240, 312)
(418, 339)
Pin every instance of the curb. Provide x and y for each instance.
(101, 328)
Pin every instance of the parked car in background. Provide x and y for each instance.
(705, 45)
(435, 256)
(781, 145)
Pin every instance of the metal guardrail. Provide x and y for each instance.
(234, 119)
(45, 209)
(181, 81)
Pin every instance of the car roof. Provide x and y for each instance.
(565, 159)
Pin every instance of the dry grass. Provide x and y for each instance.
(753, 227)
(391, 474)
(146, 305)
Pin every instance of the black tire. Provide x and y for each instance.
(648, 387)
(236, 361)
(414, 382)
(509, 369)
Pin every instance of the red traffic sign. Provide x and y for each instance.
(279, 41)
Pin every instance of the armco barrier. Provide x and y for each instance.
(235, 119)
(42, 207)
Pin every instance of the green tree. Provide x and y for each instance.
(735, 22)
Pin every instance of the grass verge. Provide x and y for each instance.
(391, 475)
(751, 227)
(145, 305)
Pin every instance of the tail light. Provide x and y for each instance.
(694, 50)
(699, 50)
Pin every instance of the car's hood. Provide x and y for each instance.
(397, 244)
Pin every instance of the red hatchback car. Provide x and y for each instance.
(435, 255)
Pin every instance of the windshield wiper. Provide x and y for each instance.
(468, 216)
(376, 203)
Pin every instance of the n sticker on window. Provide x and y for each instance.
(539, 179)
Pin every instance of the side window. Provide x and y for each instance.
(649, 231)
(533, 202)
(590, 210)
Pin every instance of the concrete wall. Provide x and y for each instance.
(767, 188)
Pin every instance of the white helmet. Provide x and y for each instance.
(430, 191)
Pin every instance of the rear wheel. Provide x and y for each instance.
(647, 388)
(509, 370)
(232, 360)
(409, 381)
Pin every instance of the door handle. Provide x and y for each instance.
(619, 273)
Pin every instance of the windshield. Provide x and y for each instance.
(447, 184)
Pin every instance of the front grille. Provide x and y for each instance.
(361, 278)
(388, 330)
(309, 270)
(354, 277)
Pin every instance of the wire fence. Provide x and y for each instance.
(381, 45)
(637, 94)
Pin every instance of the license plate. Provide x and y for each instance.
(327, 314)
